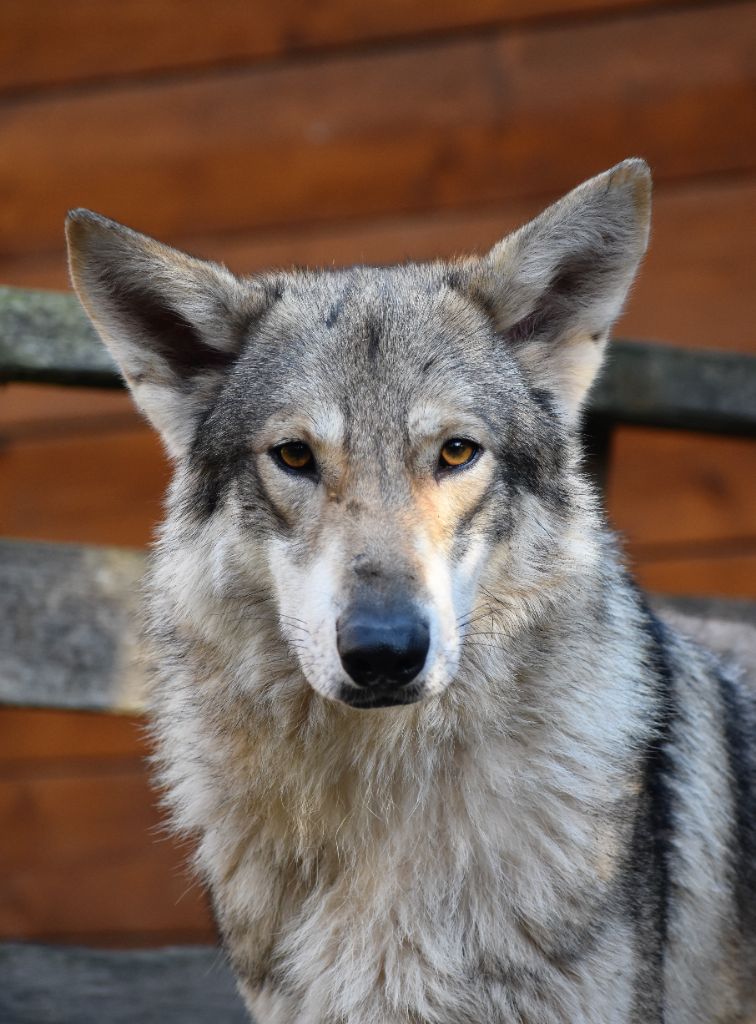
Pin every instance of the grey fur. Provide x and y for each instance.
(556, 821)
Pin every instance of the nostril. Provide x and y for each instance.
(382, 645)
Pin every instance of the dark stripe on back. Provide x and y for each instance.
(658, 768)
(739, 720)
(654, 826)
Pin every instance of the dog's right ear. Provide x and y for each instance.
(174, 324)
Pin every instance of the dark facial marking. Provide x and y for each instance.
(484, 302)
(453, 279)
(211, 478)
(333, 313)
(544, 400)
(373, 340)
(535, 466)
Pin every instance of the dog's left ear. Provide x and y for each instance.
(556, 286)
(173, 323)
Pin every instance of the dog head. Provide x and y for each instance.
(373, 450)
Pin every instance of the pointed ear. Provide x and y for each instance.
(174, 324)
(556, 286)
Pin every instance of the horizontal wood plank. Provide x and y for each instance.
(452, 123)
(730, 575)
(40, 740)
(695, 285)
(44, 336)
(84, 857)
(37, 410)
(676, 388)
(69, 627)
(672, 488)
(694, 288)
(104, 487)
(45, 985)
(49, 42)
(665, 488)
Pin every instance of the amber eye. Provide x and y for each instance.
(457, 452)
(295, 455)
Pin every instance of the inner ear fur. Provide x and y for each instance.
(173, 323)
(555, 287)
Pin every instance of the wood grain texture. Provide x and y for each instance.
(107, 487)
(49, 741)
(449, 124)
(731, 575)
(668, 488)
(82, 858)
(49, 42)
(30, 411)
(45, 335)
(70, 632)
(70, 623)
(44, 985)
(694, 289)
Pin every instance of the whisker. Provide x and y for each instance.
(475, 617)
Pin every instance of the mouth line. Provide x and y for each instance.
(377, 698)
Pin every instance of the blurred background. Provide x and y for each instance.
(339, 131)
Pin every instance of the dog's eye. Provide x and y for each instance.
(457, 452)
(294, 455)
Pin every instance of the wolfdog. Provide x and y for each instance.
(442, 763)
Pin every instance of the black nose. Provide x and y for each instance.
(382, 644)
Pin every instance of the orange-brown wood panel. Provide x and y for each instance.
(103, 488)
(83, 859)
(38, 410)
(51, 42)
(45, 739)
(451, 123)
(730, 575)
(695, 288)
(672, 488)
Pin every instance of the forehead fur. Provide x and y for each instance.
(377, 343)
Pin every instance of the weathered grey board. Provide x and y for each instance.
(685, 389)
(45, 338)
(69, 627)
(59, 985)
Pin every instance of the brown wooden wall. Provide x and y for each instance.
(339, 131)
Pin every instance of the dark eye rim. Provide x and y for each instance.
(444, 467)
(309, 469)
